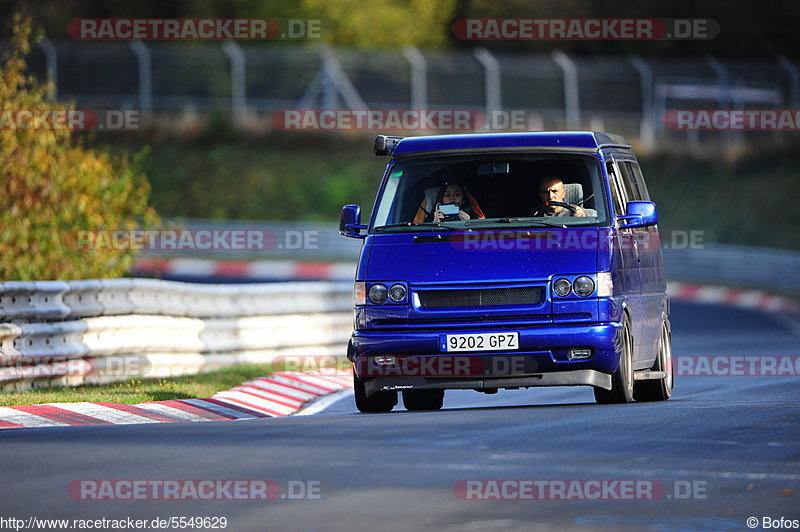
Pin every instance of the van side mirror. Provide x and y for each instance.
(350, 222)
(639, 214)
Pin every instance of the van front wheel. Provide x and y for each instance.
(377, 403)
(659, 389)
(622, 380)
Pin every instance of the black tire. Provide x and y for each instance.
(377, 403)
(423, 399)
(659, 389)
(622, 380)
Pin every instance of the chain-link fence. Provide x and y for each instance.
(627, 95)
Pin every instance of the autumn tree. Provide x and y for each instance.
(52, 185)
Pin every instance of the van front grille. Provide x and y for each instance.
(483, 297)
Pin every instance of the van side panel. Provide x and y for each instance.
(630, 260)
(363, 259)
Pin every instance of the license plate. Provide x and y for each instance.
(480, 342)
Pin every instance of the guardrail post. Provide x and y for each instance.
(51, 58)
(571, 98)
(238, 85)
(794, 80)
(492, 80)
(794, 85)
(145, 82)
(329, 82)
(723, 80)
(419, 77)
(647, 127)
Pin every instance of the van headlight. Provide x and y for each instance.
(378, 293)
(397, 293)
(599, 284)
(562, 287)
(583, 286)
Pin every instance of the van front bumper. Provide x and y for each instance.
(399, 360)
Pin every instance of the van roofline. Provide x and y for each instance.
(512, 149)
(584, 140)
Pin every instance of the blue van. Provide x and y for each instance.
(508, 260)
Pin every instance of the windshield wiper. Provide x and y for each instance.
(514, 220)
(424, 225)
(401, 224)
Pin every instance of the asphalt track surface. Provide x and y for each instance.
(736, 440)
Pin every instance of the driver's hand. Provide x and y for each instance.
(463, 216)
(438, 215)
(580, 213)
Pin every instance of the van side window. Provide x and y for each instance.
(638, 181)
(628, 181)
(616, 190)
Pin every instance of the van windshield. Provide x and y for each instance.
(486, 190)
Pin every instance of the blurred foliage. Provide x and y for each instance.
(747, 28)
(750, 200)
(309, 178)
(385, 23)
(51, 186)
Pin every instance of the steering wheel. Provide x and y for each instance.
(571, 209)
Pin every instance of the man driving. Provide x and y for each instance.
(551, 189)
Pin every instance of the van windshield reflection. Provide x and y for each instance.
(457, 193)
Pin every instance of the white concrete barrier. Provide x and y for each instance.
(101, 330)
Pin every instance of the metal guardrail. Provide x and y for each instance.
(92, 331)
(770, 269)
(45, 300)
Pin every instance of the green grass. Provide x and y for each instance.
(136, 391)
